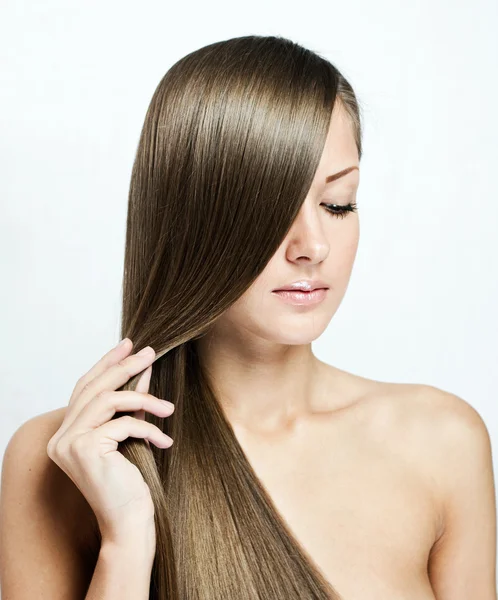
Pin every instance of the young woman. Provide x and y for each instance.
(276, 476)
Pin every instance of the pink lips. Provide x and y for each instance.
(300, 298)
(304, 285)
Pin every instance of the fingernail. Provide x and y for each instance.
(122, 342)
(145, 350)
(170, 404)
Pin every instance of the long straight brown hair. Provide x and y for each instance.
(231, 141)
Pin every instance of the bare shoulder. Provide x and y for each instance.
(435, 419)
(431, 429)
(432, 419)
(424, 412)
(45, 520)
(459, 443)
(439, 432)
(61, 493)
(454, 446)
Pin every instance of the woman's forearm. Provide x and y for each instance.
(122, 571)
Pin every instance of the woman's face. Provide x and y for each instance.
(319, 245)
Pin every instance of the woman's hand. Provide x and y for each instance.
(85, 446)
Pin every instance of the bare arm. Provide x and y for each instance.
(43, 552)
(121, 572)
(40, 555)
(463, 560)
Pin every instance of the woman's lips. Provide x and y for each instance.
(301, 298)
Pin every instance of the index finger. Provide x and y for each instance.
(108, 360)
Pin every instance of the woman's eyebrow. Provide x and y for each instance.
(340, 174)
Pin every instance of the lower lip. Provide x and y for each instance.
(302, 298)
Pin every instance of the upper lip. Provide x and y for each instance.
(306, 285)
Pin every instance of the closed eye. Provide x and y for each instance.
(341, 210)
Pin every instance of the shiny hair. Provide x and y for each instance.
(228, 151)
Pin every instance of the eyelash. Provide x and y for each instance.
(343, 209)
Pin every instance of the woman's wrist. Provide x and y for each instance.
(136, 546)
